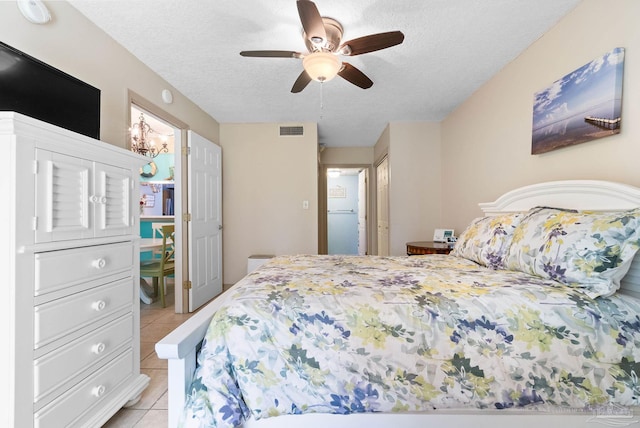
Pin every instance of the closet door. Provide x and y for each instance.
(382, 172)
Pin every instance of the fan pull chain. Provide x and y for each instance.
(321, 99)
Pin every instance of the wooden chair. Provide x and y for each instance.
(156, 232)
(156, 229)
(163, 264)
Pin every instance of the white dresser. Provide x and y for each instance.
(69, 307)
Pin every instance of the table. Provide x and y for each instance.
(428, 247)
(150, 244)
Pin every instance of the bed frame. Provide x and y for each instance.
(181, 345)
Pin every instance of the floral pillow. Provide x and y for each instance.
(590, 250)
(486, 240)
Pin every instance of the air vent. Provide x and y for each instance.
(291, 130)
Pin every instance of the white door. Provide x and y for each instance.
(362, 212)
(205, 227)
(382, 182)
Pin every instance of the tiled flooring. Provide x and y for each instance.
(151, 410)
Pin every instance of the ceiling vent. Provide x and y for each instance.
(291, 131)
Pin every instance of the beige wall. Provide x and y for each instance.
(74, 45)
(347, 156)
(265, 180)
(415, 171)
(381, 148)
(486, 142)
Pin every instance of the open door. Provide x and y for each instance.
(362, 213)
(205, 226)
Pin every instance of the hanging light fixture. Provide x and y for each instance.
(322, 66)
(333, 172)
(140, 142)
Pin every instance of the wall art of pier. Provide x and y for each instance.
(603, 122)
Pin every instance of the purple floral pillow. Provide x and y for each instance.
(486, 240)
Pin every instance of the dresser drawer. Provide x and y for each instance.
(66, 410)
(62, 365)
(60, 317)
(56, 270)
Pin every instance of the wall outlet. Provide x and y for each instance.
(305, 205)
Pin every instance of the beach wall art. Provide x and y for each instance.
(582, 106)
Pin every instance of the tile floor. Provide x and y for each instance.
(151, 410)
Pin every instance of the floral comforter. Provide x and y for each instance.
(344, 334)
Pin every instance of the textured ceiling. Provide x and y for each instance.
(451, 48)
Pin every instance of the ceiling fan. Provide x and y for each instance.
(323, 38)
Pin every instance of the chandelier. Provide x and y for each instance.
(140, 142)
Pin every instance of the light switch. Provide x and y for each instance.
(305, 205)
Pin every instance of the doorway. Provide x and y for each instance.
(346, 210)
(166, 183)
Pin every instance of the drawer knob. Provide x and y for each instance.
(99, 263)
(98, 348)
(98, 391)
(99, 305)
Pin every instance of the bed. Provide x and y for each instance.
(534, 319)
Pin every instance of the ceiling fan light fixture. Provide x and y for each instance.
(333, 172)
(321, 66)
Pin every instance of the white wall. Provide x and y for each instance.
(486, 142)
(76, 46)
(265, 180)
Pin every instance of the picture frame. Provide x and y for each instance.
(338, 192)
(581, 106)
(443, 235)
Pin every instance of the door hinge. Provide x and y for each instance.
(186, 217)
(35, 223)
(35, 166)
(186, 151)
(186, 285)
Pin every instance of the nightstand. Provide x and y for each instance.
(428, 247)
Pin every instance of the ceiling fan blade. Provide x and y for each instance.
(311, 21)
(355, 76)
(272, 54)
(371, 43)
(301, 82)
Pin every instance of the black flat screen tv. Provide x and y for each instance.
(35, 89)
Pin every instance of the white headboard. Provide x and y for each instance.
(592, 195)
